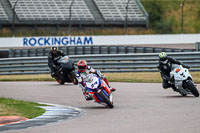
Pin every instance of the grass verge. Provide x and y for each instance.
(38, 77)
(136, 77)
(11, 107)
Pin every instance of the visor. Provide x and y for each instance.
(81, 68)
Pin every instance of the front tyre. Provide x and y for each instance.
(106, 99)
(192, 88)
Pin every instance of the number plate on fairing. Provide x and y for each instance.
(94, 84)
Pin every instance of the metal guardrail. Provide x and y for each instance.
(197, 46)
(84, 50)
(106, 63)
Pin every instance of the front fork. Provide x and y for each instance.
(106, 81)
(185, 83)
(98, 98)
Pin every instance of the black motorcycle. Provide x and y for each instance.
(65, 72)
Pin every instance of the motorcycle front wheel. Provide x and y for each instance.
(192, 88)
(106, 99)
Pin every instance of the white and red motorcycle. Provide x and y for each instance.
(182, 81)
(99, 90)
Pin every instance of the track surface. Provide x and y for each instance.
(139, 108)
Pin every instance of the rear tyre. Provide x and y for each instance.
(74, 80)
(60, 82)
(192, 88)
(106, 99)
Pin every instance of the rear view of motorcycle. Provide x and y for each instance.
(65, 71)
(182, 81)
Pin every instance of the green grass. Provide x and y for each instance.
(165, 15)
(143, 77)
(40, 77)
(11, 107)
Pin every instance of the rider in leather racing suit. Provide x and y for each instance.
(165, 64)
(53, 57)
(83, 70)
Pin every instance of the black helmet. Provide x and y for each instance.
(54, 49)
(163, 58)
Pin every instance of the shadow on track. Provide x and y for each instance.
(95, 107)
(56, 84)
(179, 96)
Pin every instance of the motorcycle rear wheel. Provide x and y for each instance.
(61, 82)
(106, 99)
(73, 78)
(192, 88)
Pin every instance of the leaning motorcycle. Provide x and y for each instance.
(65, 72)
(182, 81)
(99, 90)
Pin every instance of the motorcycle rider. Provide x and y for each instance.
(54, 55)
(165, 64)
(83, 70)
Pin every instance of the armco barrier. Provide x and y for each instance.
(106, 63)
(197, 46)
(85, 50)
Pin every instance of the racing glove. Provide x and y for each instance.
(87, 96)
(185, 66)
(101, 75)
(57, 58)
(83, 88)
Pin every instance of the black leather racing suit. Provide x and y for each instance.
(165, 70)
(52, 61)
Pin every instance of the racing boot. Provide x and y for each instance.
(174, 88)
(87, 96)
(112, 89)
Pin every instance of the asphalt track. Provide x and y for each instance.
(139, 108)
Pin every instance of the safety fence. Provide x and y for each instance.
(84, 50)
(106, 63)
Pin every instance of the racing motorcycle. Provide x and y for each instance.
(99, 90)
(65, 72)
(182, 81)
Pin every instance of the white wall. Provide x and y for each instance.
(99, 40)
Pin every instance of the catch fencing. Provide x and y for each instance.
(106, 63)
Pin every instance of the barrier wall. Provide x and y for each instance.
(99, 40)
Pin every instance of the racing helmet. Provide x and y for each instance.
(82, 65)
(163, 58)
(54, 49)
